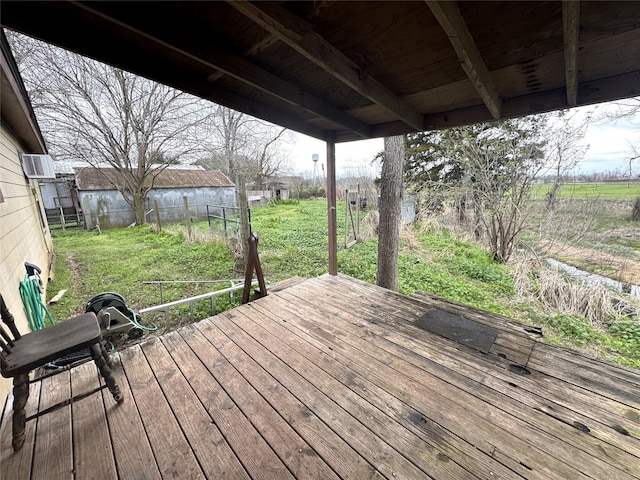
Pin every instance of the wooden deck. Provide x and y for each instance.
(331, 379)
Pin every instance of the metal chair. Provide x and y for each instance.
(21, 354)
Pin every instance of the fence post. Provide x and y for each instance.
(187, 217)
(224, 220)
(62, 219)
(157, 209)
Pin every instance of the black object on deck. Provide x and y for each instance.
(457, 328)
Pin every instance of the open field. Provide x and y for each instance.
(293, 242)
(603, 191)
(593, 234)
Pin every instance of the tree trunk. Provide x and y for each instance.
(552, 196)
(478, 214)
(390, 212)
(635, 213)
(138, 206)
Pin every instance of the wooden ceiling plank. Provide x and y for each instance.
(299, 35)
(252, 75)
(450, 19)
(571, 31)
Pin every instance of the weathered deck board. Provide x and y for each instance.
(170, 447)
(294, 451)
(257, 457)
(331, 378)
(330, 335)
(53, 453)
(131, 448)
(93, 456)
(18, 465)
(209, 445)
(565, 392)
(342, 458)
(518, 421)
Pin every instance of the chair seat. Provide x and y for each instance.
(43, 346)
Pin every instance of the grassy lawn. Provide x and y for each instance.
(293, 241)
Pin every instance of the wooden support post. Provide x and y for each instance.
(253, 263)
(331, 202)
(157, 209)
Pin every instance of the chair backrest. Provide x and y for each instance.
(6, 340)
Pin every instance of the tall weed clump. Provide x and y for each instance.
(600, 305)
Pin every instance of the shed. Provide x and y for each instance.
(104, 206)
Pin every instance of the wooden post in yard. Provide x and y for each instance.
(331, 202)
(187, 217)
(157, 209)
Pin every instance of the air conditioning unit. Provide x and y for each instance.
(38, 166)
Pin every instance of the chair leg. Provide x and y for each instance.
(105, 371)
(20, 397)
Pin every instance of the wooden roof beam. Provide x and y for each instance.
(571, 31)
(299, 35)
(253, 75)
(450, 19)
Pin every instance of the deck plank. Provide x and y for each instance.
(438, 445)
(373, 436)
(210, 447)
(588, 375)
(351, 396)
(171, 449)
(519, 419)
(293, 450)
(340, 455)
(133, 454)
(567, 394)
(17, 465)
(331, 378)
(256, 455)
(93, 455)
(53, 454)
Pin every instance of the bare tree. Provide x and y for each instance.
(105, 116)
(565, 150)
(390, 212)
(504, 160)
(247, 146)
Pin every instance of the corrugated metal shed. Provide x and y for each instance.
(100, 179)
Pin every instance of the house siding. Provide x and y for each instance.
(24, 233)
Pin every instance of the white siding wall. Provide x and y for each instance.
(22, 235)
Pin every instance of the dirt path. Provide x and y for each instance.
(595, 261)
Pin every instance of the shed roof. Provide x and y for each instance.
(90, 178)
(360, 69)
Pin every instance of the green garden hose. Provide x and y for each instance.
(33, 306)
(153, 328)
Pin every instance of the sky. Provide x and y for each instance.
(608, 142)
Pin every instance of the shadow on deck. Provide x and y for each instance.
(332, 378)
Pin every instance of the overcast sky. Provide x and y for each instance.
(608, 142)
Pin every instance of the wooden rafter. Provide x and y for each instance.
(220, 59)
(571, 31)
(450, 19)
(299, 35)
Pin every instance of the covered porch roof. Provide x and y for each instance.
(334, 378)
(360, 69)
